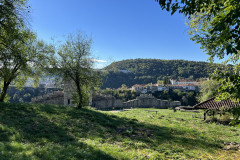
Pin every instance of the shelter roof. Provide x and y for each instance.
(212, 104)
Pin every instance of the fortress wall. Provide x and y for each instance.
(143, 101)
(118, 103)
(165, 104)
(54, 98)
(174, 104)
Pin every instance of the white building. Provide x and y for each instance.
(180, 82)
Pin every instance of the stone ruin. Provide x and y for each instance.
(57, 97)
(104, 101)
(142, 101)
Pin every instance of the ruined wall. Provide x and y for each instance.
(106, 102)
(143, 101)
(52, 98)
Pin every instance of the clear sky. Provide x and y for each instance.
(121, 29)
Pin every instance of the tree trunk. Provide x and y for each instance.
(4, 91)
(80, 104)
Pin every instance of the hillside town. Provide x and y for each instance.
(183, 85)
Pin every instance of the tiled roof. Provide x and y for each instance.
(180, 85)
(212, 104)
(138, 85)
(186, 80)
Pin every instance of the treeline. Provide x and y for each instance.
(144, 71)
(124, 95)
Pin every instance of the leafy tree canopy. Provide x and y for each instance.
(21, 55)
(208, 90)
(74, 63)
(215, 24)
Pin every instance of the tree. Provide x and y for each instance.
(189, 8)
(208, 90)
(124, 86)
(74, 63)
(216, 26)
(21, 55)
(21, 59)
(12, 11)
(166, 80)
(213, 24)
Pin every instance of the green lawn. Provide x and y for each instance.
(30, 131)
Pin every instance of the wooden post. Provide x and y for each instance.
(205, 115)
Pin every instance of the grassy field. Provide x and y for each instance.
(30, 131)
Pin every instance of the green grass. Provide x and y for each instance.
(34, 131)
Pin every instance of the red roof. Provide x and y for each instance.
(138, 85)
(186, 80)
(180, 85)
(212, 104)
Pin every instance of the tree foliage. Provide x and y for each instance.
(216, 26)
(12, 12)
(218, 33)
(74, 63)
(185, 7)
(186, 98)
(21, 55)
(124, 94)
(208, 90)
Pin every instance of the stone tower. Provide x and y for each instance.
(69, 89)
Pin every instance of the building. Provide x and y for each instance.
(162, 87)
(183, 87)
(151, 88)
(181, 82)
(138, 88)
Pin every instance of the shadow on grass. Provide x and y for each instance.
(56, 130)
(94, 124)
(25, 130)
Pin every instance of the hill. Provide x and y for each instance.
(36, 131)
(144, 71)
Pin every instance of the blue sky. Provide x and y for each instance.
(121, 29)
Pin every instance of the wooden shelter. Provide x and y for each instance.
(212, 104)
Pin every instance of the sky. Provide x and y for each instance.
(120, 29)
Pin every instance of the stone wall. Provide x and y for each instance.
(106, 102)
(143, 101)
(69, 89)
(52, 98)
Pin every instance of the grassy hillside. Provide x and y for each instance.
(144, 71)
(30, 131)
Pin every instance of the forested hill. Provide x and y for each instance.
(144, 71)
